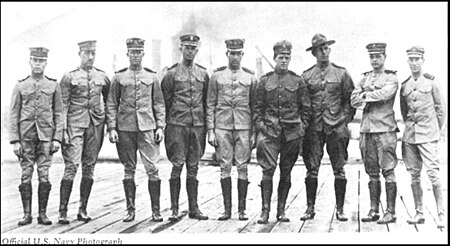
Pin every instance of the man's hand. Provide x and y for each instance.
(358, 101)
(212, 138)
(159, 135)
(18, 149)
(113, 136)
(253, 140)
(66, 139)
(55, 147)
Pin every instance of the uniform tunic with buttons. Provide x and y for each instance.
(422, 110)
(424, 115)
(330, 91)
(282, 113)
(135, 107)
(84, 94)
(378, 141)
(230, 105)
(36, 120)
(184, 89)
(135, 102)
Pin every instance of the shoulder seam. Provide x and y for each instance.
(248, 70)
(122, 70)
(220, 69)
(20, 80)
(99, 69)
(149, 70)
(50, 78)
(309, 69)
(406, 80)
(428, 76)
(200, 66)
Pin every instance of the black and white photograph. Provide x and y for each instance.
(224, 122)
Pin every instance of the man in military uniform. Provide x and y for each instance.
(424, 115)
(184, 87)
(230, 105)
(282, 114)
(375, 93)
(84, 92)
(330, 87)
(36, 125)
(136, 119)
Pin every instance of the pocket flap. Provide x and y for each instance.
(146, 81)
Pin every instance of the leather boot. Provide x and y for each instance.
(85, 191)
(226, 192)
(391, 194)
(311, 190)
(64, 195)
(375, 192)
(417, 195)
(192, 190)
(339, 191)
(43, 193)
(130, 194)
(242, 196)
(175, 185)
(283, 191)
(154, 188)
(437, 191)
(26, 195)
(266, 195)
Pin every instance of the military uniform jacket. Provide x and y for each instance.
(231, 99)
(330, 92)
(378, 114)
(84, 94)
(422, 110)
(282, 105)
(184, 89)
(36, 107)
(135, 101)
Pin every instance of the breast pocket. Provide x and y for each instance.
(244, 88)
(333, 87)
(425, 92)
(223, 85)
(79, 87)
(199, 82)
(180, 83)
(146, 86)
(314, 88)
(47, 96)
(27, 94)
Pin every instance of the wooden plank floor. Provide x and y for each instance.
(107, 203)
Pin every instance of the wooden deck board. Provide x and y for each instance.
(107, 203)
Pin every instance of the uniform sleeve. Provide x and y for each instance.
(305, 103)
(347, 90)
(14, 115)
(439, 105)
(112, 104)
(253, 92)
(356, 94)
(385, 93)
(211, 102)
(167, 91)
(159, 110)
(105, 89)
(65, 96)
(204, 94)
(260, 104)
(403, 105)
(58, 115)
